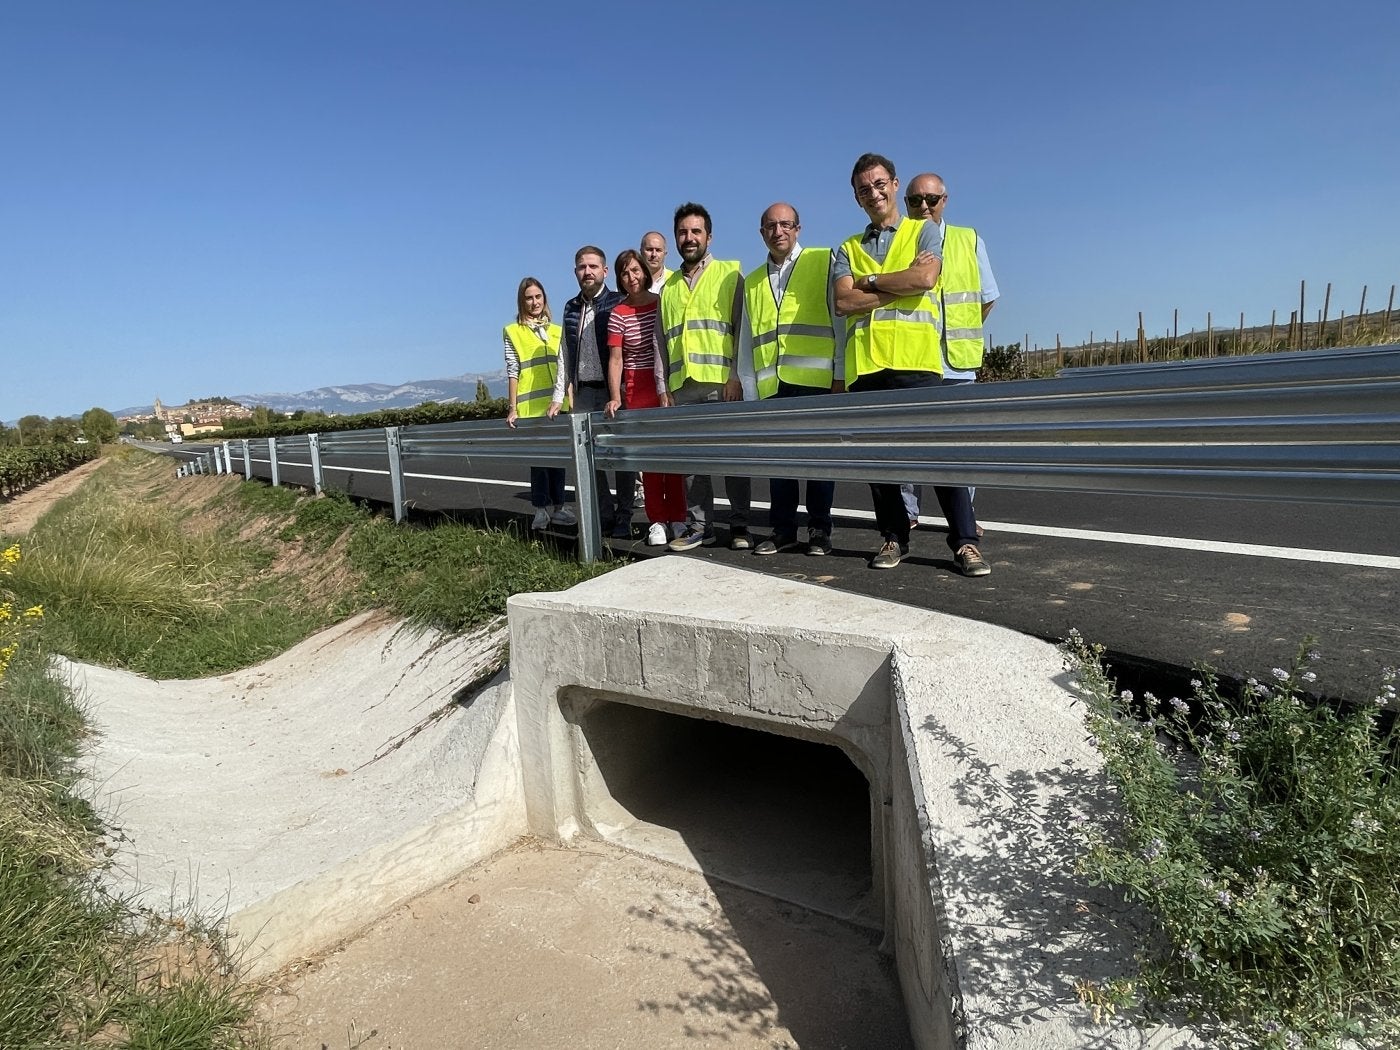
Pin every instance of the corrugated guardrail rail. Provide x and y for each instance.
(1319, 426)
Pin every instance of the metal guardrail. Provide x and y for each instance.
(1316, 426)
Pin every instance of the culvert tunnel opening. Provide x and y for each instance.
(785, 816)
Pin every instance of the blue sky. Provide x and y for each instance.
(201, 198)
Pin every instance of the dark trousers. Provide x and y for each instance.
(890, 516)
(612, 509)
(783, 492)
(546, 487)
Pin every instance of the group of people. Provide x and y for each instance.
(899, 305)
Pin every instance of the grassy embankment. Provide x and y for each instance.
(178, 579)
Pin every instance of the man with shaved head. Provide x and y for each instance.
(653, 251)
(790, 346)
(967, 291)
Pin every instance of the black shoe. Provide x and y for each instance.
(818, 543)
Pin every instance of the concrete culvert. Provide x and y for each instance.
(787, 817)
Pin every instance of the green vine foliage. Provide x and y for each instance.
(1262, 833)
(23, 468)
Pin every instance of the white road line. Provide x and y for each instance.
(1247, 550)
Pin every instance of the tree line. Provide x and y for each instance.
(96, 426)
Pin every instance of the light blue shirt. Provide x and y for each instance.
(990, 293)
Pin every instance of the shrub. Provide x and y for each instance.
(1261, 832)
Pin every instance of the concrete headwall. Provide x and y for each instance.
(977, 765)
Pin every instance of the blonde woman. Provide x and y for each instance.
(532, 361)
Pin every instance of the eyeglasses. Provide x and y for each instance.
(778, 224)
(866, 192)
(929, 199)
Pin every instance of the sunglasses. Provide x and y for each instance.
(929, 199)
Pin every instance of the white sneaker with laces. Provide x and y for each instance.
(563, 516)
(540, 521)
(656, 535)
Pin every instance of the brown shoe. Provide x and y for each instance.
(970, 562)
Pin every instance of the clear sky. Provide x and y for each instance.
(201, 198)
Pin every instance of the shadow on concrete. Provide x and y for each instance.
(1052, 928)
(780, 828)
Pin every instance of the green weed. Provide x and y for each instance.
(1261, 832)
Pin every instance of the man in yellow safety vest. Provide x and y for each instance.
(792, 345)
(966, 292)
(699, 305)
(883, 279)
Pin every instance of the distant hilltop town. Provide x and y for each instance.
(193, 417)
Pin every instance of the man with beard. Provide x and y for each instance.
(583, 374)
(700, 303)
(883, 279)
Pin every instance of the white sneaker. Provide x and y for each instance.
(540, 522)
(656, 535)
(563, 516)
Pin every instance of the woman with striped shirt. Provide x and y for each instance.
(637, 379)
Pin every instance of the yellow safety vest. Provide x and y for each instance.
(539, 365)
(903, 334)
(959, 291)
(792, 340)
(698, 324)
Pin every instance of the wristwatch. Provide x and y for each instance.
(870, 282)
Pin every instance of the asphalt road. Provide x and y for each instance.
(1161, 582)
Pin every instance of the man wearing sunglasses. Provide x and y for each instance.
(790, 346)
(967, 292)
(883, 279)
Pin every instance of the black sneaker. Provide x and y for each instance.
(818, 543)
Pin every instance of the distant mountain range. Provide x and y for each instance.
(366, 397)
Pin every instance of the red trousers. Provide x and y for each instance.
(665, 493)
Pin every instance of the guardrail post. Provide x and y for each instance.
(313, 442)
(391, 442)
(590, 530)
(228, 459)
(247, 461)
(272, 455)
(218, 460)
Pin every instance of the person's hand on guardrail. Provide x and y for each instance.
(733, 389)
(553, 409)
(610, 409)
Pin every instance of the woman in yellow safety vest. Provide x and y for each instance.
(531, 347)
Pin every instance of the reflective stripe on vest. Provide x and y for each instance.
(539, 364)
(792, 340)
(698, 325)
(902, 334)
(960, 288)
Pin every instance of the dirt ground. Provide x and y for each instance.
(18, 516)
(593, 948)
